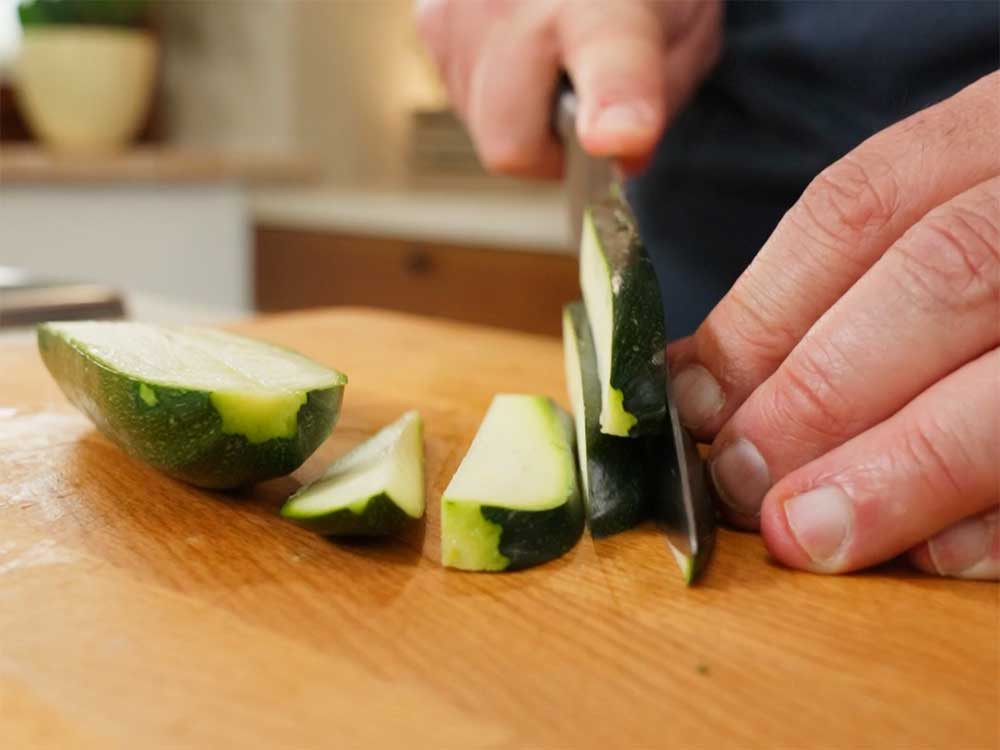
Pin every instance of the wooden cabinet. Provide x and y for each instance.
(511, 288)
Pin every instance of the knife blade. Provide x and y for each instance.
(681, 501)
(587, 179)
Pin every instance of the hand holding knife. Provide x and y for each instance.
(682, 503)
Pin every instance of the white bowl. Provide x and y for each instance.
(86, 88)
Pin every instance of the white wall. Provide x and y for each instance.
(335, 79)
(228, 74)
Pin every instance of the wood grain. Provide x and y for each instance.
(137, 611)
(517, 289)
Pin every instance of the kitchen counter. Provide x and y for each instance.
(134, 606)
(162, 221)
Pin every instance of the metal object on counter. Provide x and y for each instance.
(26, 299)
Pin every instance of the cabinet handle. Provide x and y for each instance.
(417, 262)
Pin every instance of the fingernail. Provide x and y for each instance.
(699, 396)
(741, 477)
(623, 118)
(821, 521)
(960, 547)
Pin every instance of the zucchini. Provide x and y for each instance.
(611, 468)
(374, 489)
(514, 501)
(622, 295)
(211, 408)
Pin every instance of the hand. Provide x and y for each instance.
(851, 377)
(632, 62)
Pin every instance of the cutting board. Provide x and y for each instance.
(136, 611)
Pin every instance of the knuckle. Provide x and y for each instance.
(922, 452)
(849, 200)
(810, 403)
(760, 322)
(751, 341)
(951, 259)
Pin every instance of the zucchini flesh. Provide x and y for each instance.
(611, 468)
(373, 490)
(211, 408)
(514, 501)
(624, 308)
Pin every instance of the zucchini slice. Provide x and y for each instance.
(373, 490)
(514, 501)
(212, 408)
(626, 318)
(612, 471)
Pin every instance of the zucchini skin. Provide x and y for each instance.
(380, 517)
(483, 535)
(181, 433)
(618, 490)
(616, 498)
(529, 538)
(638, 332)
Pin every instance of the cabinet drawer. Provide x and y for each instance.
(517, 289)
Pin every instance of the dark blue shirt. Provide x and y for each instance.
(799, 84)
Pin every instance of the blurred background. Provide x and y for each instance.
(204, 159)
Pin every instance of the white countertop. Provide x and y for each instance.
(529, 219)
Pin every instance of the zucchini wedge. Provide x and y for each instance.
(622, 295)
(611, 468)
(208, 407)
(373, 490)
(514, 501)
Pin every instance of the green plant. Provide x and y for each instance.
(127, 13)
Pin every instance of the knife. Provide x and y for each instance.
(679, 491)
(587, 179)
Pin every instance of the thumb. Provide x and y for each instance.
(617, 64)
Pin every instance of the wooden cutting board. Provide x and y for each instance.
(136, 611)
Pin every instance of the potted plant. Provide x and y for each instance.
(86, 71)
